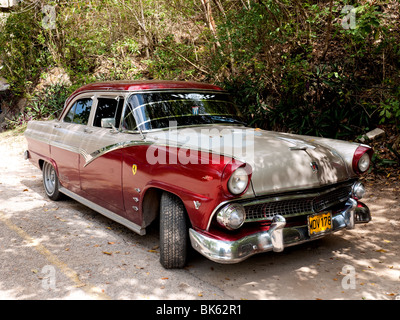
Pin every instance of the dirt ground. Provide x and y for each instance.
(63, 250)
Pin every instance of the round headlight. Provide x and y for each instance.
(232, 216)
(358, 190)
(238, 181)
(363, 163)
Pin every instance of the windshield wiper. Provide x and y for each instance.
(229, 120)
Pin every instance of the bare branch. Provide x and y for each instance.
(186, 59)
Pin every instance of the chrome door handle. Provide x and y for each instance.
(57, 126)
(87, 130)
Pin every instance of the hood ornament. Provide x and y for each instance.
(298, 144)
(314, 166)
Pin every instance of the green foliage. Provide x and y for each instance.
(368, 24)
(289, 64)
(48, 103)
(303, 77)
(390, 112)
(21, 53)
(43, 105)
(170, 59)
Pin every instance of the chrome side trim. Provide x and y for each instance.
(120, 145)
(107, 213)
(98, 153)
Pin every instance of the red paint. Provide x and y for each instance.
(109, 181)
(40, 151)
(146, 85)
(184, 180)
(358, 154)
(67, 168)
(102, 179)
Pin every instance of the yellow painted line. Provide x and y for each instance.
(93, 291)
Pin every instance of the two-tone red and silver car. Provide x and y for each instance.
(179, 153)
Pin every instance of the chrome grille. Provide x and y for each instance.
(267, 208)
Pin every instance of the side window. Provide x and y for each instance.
(70, 115)
(79, 112)
(134, 108)
(129, 122)
(108, 108)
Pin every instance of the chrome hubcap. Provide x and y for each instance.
(50, 178)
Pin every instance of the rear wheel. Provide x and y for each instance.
(50, 182)
(173, 232)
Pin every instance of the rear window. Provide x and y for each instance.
(79, 112)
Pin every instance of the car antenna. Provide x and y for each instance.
(141, 133)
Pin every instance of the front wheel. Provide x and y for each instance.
(50, 182)
(173, 232)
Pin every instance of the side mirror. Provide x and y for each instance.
(108, 123)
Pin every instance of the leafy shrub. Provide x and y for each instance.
(43, 105)
(289, 64)
(48, 103)
(23, 55)
(390, 112)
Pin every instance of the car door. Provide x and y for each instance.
(100, 166)
(66, 139)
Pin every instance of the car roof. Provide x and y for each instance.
(141, 85)
(138, 85)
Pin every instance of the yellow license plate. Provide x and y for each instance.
(319, 223)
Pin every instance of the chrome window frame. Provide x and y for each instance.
(94, 95)
(116, 95)
(71, 104)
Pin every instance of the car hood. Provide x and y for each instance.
(280, 162)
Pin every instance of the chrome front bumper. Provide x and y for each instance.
(275, 239)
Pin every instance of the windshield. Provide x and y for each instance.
(156, 110)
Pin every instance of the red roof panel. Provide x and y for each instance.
(146, 85)
(138, 85)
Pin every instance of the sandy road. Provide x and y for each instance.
(62, 250)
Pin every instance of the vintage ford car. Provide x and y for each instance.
(179, 153)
